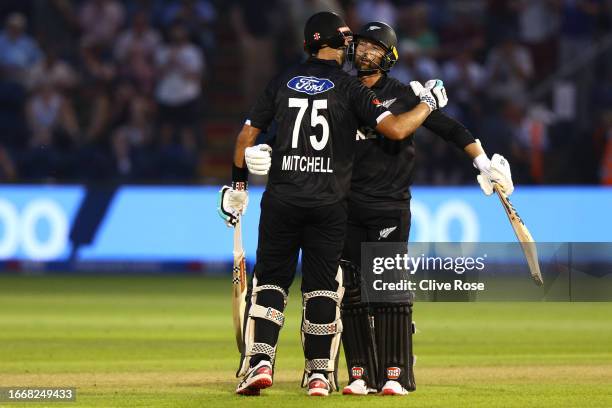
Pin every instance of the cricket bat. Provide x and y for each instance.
(524, 236)
(239, 285)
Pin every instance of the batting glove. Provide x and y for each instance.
(232, 202)
(433, 93)
(496, 170)
(258, 159)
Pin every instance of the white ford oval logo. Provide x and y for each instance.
(310, 85)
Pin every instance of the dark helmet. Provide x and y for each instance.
(324, 28)
(383, 35)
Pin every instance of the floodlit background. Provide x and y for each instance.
(117, 125)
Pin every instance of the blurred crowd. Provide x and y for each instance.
(108, 90)
(102, 90)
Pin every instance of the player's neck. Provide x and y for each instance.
(332, 54)
(370, 80)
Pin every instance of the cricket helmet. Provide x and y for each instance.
(325, 28)
(382, 35)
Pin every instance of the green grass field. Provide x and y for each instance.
(168, 342)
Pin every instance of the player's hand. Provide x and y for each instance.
(496, 170)
(433, 93)
(258, 158)
(232, 203)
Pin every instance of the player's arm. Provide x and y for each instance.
(398, 127)
(432, 97)
(234, 199)
(257, 159)
(492, 170)
(246, 138)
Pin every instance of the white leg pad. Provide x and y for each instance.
(260, 312)
(333, 328)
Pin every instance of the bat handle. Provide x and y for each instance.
(238, 237)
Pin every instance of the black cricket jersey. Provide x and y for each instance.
(317, 108)
(384, 169)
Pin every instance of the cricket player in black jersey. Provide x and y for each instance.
(377, 337)
(317, 108)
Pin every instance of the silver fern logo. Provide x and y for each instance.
(384, 233)
(388, 102)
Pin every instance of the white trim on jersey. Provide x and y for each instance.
(382, 116)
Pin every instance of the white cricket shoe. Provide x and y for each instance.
(393, 388)
(256, 379)
(318, 385)
(357, 387)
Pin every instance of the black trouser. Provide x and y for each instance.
(285, 229)
(372, 225)
(377, 337)
(319, 232)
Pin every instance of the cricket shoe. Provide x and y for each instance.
(357, 387)
(256, 379)
(393, 388)
(318, 385)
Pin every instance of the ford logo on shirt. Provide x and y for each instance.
(310, 85)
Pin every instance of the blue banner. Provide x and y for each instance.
(180, 224)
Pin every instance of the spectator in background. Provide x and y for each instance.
(100, 22)
(376, 10)
(509, 68)
(579, 26)
(465, 76)
(132, 141)
(18, 51)
(197, 16)
(419, 30)
(412, 65)
(500, 131)
(135, 52)
(54, 133)
(51, 117)
(538, 25)
(181, 66)
(533, 142)
(99, 72)
(54, 71)
(579, 23)
(466, 79)
(257, 24)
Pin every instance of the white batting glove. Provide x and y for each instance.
(433, 93)
(232, 203)
(258, 158)
(496, 170)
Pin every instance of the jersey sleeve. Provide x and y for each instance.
(262, 113)
(365, 104)
(406, 99)
(439, 123)
(449, 129)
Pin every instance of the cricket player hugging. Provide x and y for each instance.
(317, 108)
(377, 337)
